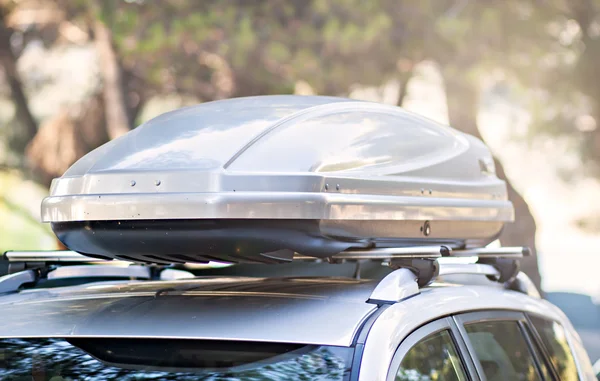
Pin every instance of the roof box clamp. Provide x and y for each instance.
(507, 267)
(426, 270)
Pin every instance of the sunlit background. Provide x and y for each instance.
(522, 74)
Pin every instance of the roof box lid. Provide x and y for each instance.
(294, 158)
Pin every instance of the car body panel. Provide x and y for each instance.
(401, 319)
(303, 310)
(294, 310)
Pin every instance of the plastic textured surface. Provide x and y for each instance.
(255, 179)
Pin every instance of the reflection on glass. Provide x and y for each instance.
(555, 342)
(58, 360)
(502, 351)
(432, 359)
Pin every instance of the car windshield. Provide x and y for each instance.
(53, 359)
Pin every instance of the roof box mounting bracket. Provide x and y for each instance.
(396, 286)
(426, 270)
(508, 268)
(523, 284)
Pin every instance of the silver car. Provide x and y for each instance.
(67, 317)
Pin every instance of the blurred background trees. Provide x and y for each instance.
(543, 54)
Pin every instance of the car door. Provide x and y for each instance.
(435, 351)
(501, 346)
(488, 345)
(567, 358)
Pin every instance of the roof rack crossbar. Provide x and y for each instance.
(383, 254)
(53, 256)
(499, 264)
(492, 252)
(84, 271)
(471, 269)
(423, 252)
(431, 252)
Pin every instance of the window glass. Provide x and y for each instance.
(502, 351)
(434, 358)
(149, 359)
(554, 339)
(543, 363)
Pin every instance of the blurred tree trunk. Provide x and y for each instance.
(8, 61)
(403, 88)
(407, 71)
(65, 137)
(463, 105)
(585, 12)
(117, 119)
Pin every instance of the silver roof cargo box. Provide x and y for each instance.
(256, 179)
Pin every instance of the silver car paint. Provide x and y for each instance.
(325, 311)
(322, 311)
(400, 319)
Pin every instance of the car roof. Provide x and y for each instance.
(324, 311)
(306, 310)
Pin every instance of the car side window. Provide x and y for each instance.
(554, 340)
(433, 358)
(502, 350)
(543, 362)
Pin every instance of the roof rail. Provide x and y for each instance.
(403, 283)
(30, 267)
(13, 282)
(416, 267)
(497, 264)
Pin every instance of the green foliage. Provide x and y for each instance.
(23, 232)
(262, 46)
(213, 49)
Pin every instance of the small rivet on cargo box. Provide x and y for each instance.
(132, 183)
(430, 191)
(157, 182)
(422, 191)
(326, 187)
(337, 187)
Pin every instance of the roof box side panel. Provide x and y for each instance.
(196, 137)
(475, 164)
(374, 149)
(356, 138)
(180, 144)
(84, 164)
